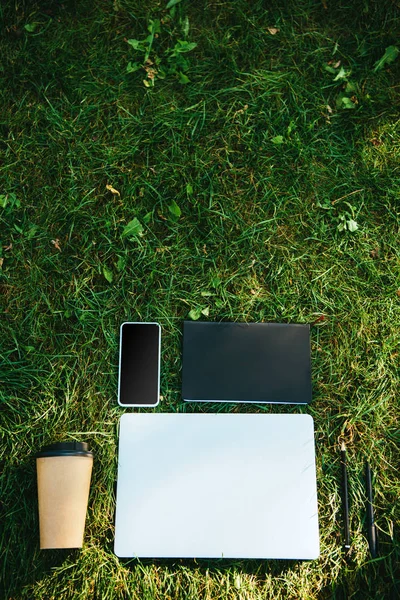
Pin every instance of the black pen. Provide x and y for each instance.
(345, 498)
(372, 537)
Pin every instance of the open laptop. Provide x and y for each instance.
(246, 362)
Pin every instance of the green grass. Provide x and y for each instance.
(263, 163)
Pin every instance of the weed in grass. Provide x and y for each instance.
(345, 217)
(172, 61)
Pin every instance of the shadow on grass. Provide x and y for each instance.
(203, 565)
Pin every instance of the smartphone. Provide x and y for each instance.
(139, 364)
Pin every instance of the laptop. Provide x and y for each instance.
(246, 362)
(220, 485)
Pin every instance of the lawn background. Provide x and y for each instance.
(240, 182)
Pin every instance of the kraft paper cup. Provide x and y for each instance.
(63, 477)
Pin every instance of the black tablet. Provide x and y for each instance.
(246, 362)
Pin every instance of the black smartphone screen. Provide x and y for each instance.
(139, 364)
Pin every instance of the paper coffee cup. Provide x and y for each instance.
(63, 476)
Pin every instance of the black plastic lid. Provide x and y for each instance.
(65, 449)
